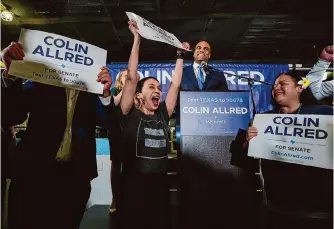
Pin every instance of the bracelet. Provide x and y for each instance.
(179, 55)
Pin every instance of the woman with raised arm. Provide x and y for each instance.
(144, 201)
(114, 135)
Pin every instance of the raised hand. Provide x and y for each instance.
(327, 54)
(105, 78)
(133, 27)
(13, 52)
(185, 45)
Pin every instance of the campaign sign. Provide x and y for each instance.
(60, 61)
(213, 113)
(299, 139)
(152, 32)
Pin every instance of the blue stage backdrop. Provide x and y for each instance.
(264, 72)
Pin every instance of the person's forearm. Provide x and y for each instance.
(325, 90)
(174, 87)
(133, 60)
(117, 98)
(318, 70)
(129, 88)
(316, 74)
(177, 76)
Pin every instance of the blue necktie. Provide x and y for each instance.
(200, 77)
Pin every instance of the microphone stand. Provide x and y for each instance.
(250, 81)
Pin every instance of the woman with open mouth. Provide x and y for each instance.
(295, 196)
(144, 196)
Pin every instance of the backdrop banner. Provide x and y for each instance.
(264, 72)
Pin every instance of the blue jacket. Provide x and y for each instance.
(214, 81)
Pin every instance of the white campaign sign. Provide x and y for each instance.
(60, 61)
(152, 32)
(299, 139)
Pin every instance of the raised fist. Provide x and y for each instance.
(105, 78)
(133, 27)
(327, 54)
(185, 45)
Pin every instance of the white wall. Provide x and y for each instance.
(101, 189)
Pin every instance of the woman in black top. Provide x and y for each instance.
(144, 189)
(113, 136)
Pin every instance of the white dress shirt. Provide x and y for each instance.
(195, 65)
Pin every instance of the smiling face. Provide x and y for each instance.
(120, 82)
(202, 52)
(123, 78)
(150, 95)
(286, 91)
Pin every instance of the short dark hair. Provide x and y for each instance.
(202, 41)
(306, 96)
(141, 82)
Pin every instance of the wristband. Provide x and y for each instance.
(179, 55)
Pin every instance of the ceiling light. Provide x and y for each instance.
(6, 15)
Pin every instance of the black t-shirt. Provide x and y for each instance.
(145, 142)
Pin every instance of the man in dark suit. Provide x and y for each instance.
(56, 159)
(194, 76)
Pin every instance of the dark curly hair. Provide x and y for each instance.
(140, 85)
(306, 97)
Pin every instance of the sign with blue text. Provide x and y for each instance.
(299, 139)
(213, 113)
(60, 61)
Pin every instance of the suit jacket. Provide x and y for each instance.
(47, 107)
(214, 81)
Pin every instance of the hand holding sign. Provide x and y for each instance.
(152, 32)
(13, 52)
(251, 133)
(185, 46)
(105, 78)
(133, 27)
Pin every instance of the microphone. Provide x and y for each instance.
(208, 70)
(205, 66)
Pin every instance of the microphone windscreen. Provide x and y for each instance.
(204, 64)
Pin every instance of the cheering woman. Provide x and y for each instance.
(144, 197)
